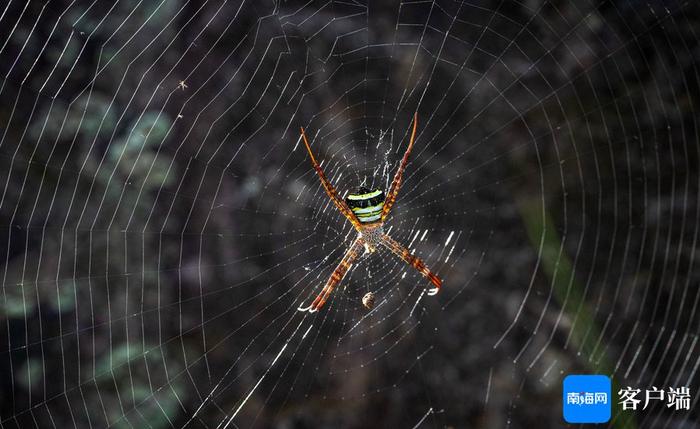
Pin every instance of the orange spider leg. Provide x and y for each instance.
(349, 258)
(413, 261)
(398, 177)
(330, 190)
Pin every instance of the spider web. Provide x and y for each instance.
(161, 222)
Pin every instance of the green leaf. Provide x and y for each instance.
(149, 130)
(30, 373)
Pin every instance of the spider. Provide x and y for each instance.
(367, 210)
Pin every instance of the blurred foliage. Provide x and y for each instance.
(571, 296)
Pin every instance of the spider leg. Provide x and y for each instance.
(413, 261)
(330, 190)
(398, 177)
(351, 255)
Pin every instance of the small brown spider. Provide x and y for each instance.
(368, 300)
(367, 211)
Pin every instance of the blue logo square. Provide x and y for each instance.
(587, 398)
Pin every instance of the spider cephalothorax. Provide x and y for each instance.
(367, 210)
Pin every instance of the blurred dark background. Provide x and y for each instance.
(160, 225)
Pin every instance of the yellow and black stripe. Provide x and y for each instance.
(366, 205)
